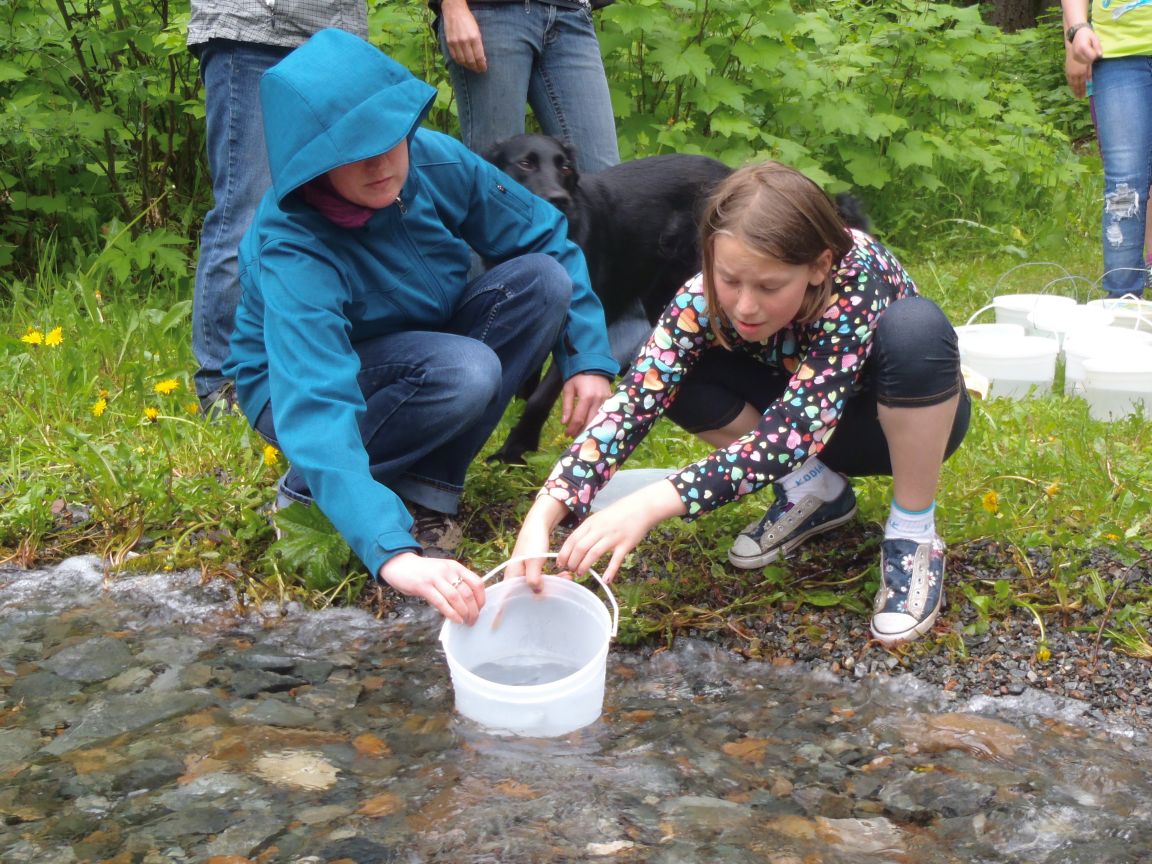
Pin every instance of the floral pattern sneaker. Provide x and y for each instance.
(911, 590)
(786, 525)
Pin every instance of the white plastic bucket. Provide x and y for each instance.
(626, 481)
(1015, 366)
(1119, 385)
(1015, 308)
(1129, 312)
(1057, 321)
(967, 332)
(526, 640)
(1082, 345)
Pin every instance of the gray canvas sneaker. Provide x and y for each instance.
(786, 525)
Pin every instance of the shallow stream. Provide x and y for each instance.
(142, 719)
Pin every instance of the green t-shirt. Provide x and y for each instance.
(1124, 26)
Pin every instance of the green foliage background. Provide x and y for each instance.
(927, 113)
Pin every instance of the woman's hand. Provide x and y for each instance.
(535, 538)
(1076, 73)
(449, 587)
(619, 529)
(462, 33)
(581, 398)
(1086, 46)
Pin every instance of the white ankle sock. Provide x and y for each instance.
(813, 478)
(919, 525)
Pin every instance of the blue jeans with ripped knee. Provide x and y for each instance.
(1122, 100)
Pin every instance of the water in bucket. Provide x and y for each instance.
(532, 664)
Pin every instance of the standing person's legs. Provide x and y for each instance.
(238, 163)
(569, 90)
(491, 105)
(1121, 96)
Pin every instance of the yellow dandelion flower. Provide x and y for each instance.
(98, 407)
(1043, 654)
(151, 414)
(271, 455)
(1112, 537)
(1052, 488)
(991, 501)
(33, 337)
(192, 407)
(168, 385)
(102, 393)
(54, 337)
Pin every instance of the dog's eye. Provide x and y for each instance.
(566, 169)
(526, 165)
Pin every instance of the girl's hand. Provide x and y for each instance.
(619, 529)
(534, 539)
(449, 587)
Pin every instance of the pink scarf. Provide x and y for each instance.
(334, 206)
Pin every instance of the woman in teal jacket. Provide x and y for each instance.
(361, 348)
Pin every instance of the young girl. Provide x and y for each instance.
(803, 354)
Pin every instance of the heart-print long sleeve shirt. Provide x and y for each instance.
(825, 360)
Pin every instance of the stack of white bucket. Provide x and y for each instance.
(1106, 346)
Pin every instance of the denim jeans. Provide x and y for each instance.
(1122, 101)
(238, 163)
(914, 362)
(433, 398)
(548, 57)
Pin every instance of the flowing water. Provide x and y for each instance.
(143, 719)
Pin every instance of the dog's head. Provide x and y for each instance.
(541, 164)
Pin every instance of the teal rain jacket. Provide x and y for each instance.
(311, 290)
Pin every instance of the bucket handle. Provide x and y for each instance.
(594, 574)
(972, 317)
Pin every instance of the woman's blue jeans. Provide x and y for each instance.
(1122, 100)
(238, 163)
(433, 398)
(548, 57)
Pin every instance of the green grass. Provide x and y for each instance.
(1043, 507)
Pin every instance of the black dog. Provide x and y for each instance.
(637, 225)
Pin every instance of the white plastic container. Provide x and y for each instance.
(1119, 385)
(1015, 308)
(626, 481)
(533, 664)
(1128, 312)
(966, 332)
(1016, 367)
(1099, 342)
(1057, 321)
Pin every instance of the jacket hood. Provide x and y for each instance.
(334, 100)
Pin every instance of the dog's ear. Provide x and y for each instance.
(497, 154)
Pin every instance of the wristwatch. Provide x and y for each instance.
(1076, 28)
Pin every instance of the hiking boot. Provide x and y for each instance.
(911, 590)
(786, 525)
(437, 532)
